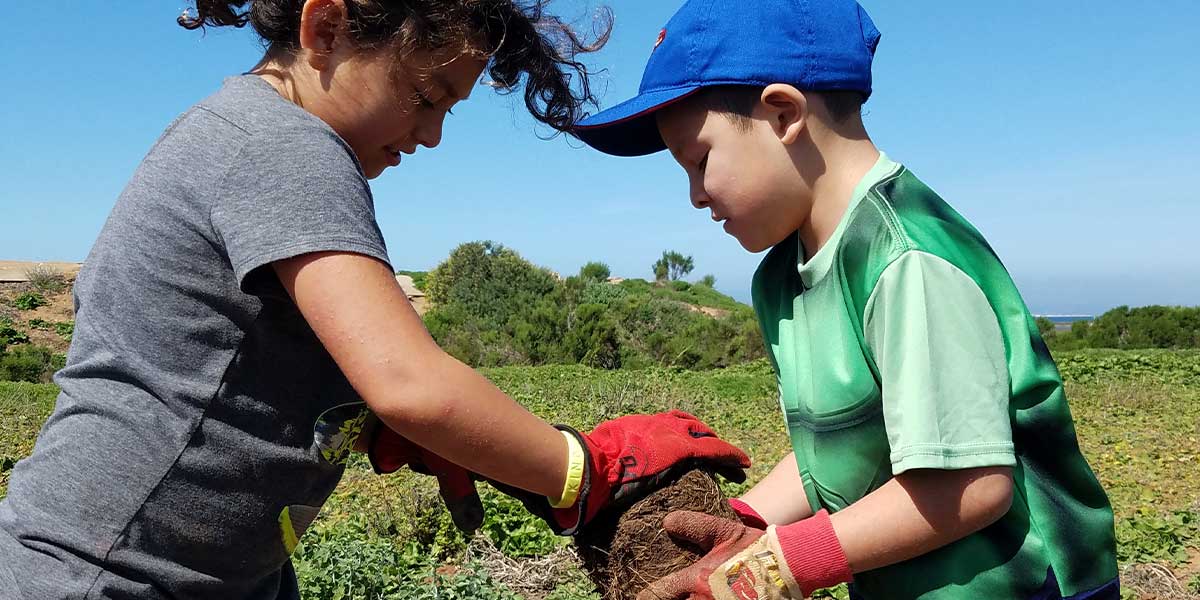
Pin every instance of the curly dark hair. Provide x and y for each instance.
(525, 46)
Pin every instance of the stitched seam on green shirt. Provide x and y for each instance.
(955, 450)
(899, 235)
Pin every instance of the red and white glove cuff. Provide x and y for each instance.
(747, 515)
(813, 558)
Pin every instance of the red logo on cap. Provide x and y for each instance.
(662, 35)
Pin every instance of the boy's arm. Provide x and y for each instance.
(779, 498)
(920, 511)
(913, 514)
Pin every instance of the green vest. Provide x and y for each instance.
(818, 318)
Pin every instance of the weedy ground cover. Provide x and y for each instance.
(1137, 414)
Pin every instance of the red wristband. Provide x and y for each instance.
(813, 554)
(747, 515)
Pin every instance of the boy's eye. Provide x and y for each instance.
(703, 162)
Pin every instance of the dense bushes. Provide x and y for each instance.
(491, 307)
(1130, 328)
(20, 361)
(24, 362)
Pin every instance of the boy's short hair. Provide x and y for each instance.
(738, 101)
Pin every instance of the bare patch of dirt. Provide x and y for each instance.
(716, 313)
(60, 309)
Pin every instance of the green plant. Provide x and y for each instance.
(1157, 537)
(10, 336)
(840, 592)
(513, 529)
(65, 329)
(39, 324)
(29, 301)
(672, 266)
(347, 562)
(420, 278)
(595, 271)
(46, 279)
(26, 363)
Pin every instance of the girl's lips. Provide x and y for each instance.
(393, 157)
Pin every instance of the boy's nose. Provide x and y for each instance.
(700, 198)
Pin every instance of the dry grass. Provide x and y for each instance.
(1154, 582)
(533, 578)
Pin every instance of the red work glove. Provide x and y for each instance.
(747, 515)
(389, 451)
(745, 563)
(630, 456)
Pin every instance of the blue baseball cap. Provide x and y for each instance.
(817, 45)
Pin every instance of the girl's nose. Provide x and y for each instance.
(430, 134)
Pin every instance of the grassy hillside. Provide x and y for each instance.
(1137, 415)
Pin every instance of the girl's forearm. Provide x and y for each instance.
(458, 414)
(363, 319)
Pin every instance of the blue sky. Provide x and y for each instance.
(1066, 132)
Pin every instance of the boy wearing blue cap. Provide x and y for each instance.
(934, 454)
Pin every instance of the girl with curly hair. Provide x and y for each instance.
(239, 329)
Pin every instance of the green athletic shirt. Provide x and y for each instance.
(904, 344)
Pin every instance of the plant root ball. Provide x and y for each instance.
(625, 551)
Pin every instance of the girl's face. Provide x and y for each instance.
(384, 110)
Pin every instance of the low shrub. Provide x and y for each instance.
(9, 335)
(34, 364)
(29, 301)
(65, 329)
(46, 279)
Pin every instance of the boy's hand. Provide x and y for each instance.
(746, 514)
(746, 563)
(389, 451)
(724, 542)
(627, 457)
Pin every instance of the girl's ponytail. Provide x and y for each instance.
(276, 21)
(215, 13)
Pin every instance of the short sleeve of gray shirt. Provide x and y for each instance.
(316, 199)
(201, 424)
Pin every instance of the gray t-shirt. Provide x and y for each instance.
(201, 424)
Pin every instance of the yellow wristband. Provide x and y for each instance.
(574, 480)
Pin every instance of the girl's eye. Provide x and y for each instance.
(703, 162)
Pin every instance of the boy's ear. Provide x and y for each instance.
(322, 28)
(787, 110)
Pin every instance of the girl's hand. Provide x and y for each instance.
(625, 458)
(389, 451)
